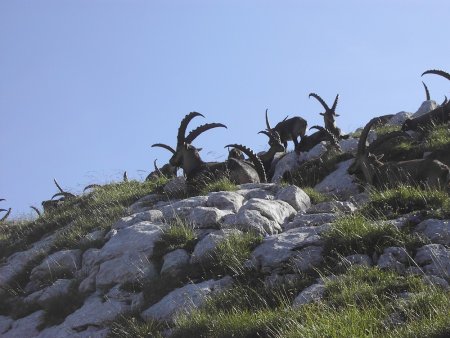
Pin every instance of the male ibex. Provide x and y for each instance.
(166, 171)
(431, 172)
(310, 141)
(196, 170)
(53, 204)
(439, 115)
(289, 129)
(275, 147)
(329, 116)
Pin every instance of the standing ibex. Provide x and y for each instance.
(329, 116)
(289, 129)
(439, 115)
(197, 171)
(431, 172)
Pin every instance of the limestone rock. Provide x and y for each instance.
(5, 323)
(307, 258)
(311, 294)
(332, 207)
(182, 209)
(204, 249)
(60, 288)
(145, 203)
(207, 217)
(225, 200)
(152, 216)
(25, 327)
(339, 182)
(425, 107)
(399, 118)
(357, 259)
(437, 231)
(59, 264)
(278, 211)
(174, 262)
(185, 299)
(253, 221)
(295, 196)
(176, 186)
(349, 145)
(434, 259)
(308, 220)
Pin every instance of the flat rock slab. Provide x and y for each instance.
(311, 294)
(207, 217)
(434, 259)
(59, 264)
(339, 182)
(438, 231)
(185, 299)
(332, 207)
(205, 248)
(278, 249)
(295, 196)
(152, 216)
(25, 327)
(253, 221)
(308, 220)
(225, 200)
(278, 211)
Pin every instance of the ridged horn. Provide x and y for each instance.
(37, 210)
(333, 140)
(183, 125)
(318, 98)
(201, 129)
(6, 215)
(125, 176)
(58, 186)
(333, 108)
(94, 185)
(267, 121)
(379, 141)
(64, 194)
(254, 158)
(363, 138)
(437, 72)
(165, 146)
(427, 92)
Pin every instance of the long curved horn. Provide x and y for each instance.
(427, 92)
(165, 146)
(437, 72)
(318, 98)
(2, 199)
(375, 144)
(445, 101)
(6, 215)
(273, 135)
(125, 176)
(267, 121)
(183, 125)
(58, 186)
(254, 158)
(199, 130)
(285, 118)
(94, 185)
(37, 210)
(333, 140)
(363, 138)
(64, 194)
(333, 108)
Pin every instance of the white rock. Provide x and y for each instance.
(5, 324)
(204, 249)
(182, 209)
(145, 203)
(59, 264)
(307, 258)
(425, 107)
(308, 220)
(225, 200)
(152, 216)
(278, 249)
(289, 162)
(88, 284)
(317, 151)
(174, 262)
(176, 186)
(349, 145)
(256, 193)
(332, 207)
(25, 327)
(278, 211)
(253, 221)
(311, 294)
(339, 182)
(130, 267)
(138, 238)
(295, 196)
(185, 299)
(399, 118)
(60, 288)
(437, 231)
(434, 259)
(207, 217)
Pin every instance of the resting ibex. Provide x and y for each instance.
(196, 170)
(310, 141)
(275, 147)
(439, 115)
(52, 204)
(431, 172)
(329, 116)
(289, 129)
(8, 211)
(236, 154)
(166, 171)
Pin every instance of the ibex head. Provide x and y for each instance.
(274, 141)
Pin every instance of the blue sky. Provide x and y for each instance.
(87, 86)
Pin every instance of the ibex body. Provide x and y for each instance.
(289, 129)
(310, 141)
(167, 171)
(329, 116)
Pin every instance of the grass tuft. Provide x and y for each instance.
(222, 184)
(315, 196)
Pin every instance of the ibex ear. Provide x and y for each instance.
(323, 114)
(337, 115)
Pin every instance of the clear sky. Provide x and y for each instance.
(87, 86)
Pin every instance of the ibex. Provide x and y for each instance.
(166, 171)
(275, 147)
(329, 116)
(236, 154)
(431, 172)
(53, 204)
(196, 170)
(439, 115)
(8, 211)
(289, 129)
(310, 141)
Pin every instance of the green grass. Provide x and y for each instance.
(79, 216)
(315, 196)
(438, 138)
(405, 199)
(133, 327)
(357, 234)
(222, 184)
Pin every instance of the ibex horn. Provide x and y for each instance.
(375, 144)
(267, 121)
(333, 140)
(64, 194)
(333, 108)
(318, 98)
(427, 92)
(2, 199)
(255, 159)
(94, 185)
(6, 215)
(273, 135)
(37, 210)
(437, 72)
(165, 146)
(363, 138)
(58, 186)
(183, 125)
(125, 176)
(197, 131)
(445, 101)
